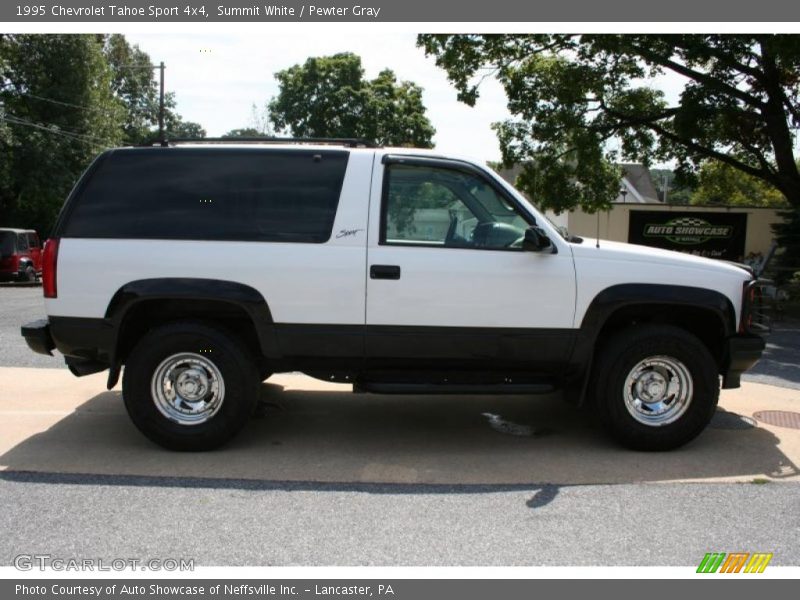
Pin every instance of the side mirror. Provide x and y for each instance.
(536, 240)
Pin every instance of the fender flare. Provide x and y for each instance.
(612, 299)
(615, 297)
(183, 288)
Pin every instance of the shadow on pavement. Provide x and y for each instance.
(779, 365)
(318, 440)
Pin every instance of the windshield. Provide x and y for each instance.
(561, 229)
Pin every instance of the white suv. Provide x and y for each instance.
(205, 267)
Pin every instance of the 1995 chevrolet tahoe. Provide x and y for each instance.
(203, 268)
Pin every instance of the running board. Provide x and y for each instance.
(454, 388)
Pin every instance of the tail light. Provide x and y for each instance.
(748, 295)
(754, 317)
(49, 268)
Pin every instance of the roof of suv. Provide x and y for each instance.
(15, 230)
(311, 145)
(234, 144)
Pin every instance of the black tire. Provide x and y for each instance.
(217, 345)
(28, 275)
(616, 361)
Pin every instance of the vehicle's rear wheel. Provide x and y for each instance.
(190, 386)
(657, 387)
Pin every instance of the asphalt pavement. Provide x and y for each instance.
(780, 363)
(253, 523)
(19, 305)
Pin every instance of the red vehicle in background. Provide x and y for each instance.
(20, 255)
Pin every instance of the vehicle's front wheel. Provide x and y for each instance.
(190, 386)
(28, 275)
(657, 387)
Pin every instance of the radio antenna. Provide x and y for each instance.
(598, 229)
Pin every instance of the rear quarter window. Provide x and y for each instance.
(210, 194)
(8, 243)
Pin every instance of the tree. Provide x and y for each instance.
(243, 132)
(64, 99)
(258, 125)
(134, 84)
(329, 97)
(259, 119)
(720, 184)
(571, 94)
(59, 111)
(175, 127)
(676, 192)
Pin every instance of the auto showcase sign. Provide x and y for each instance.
(713, 235)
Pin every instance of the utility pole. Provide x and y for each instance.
(161, 104)
(666, 187)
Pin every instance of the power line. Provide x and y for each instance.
(53, 130)
(161, 103)
(68, 136)
(61, 103)
(53, 127)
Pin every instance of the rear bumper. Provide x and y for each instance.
(37, 336)
(11, 275)
(742, 352)
(85, 343)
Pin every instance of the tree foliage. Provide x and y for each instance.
(677, 192)
(59, 110)
(571, 96)
(258, 125)
(330, 97)
(63, 99)
(175, 126)
(243, 132)
(721, 185)
(133, 82)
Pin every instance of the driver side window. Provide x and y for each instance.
(434, 206)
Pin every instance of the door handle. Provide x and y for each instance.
(384, 272)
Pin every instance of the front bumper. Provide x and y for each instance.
(742, 352)
(37, 335)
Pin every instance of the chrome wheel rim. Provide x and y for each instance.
(187, 388)
(658, 390)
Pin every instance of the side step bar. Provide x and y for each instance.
(454, 388)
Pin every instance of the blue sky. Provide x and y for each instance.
(218, 77)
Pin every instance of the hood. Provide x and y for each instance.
(656, 256)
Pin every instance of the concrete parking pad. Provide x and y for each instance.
(312, 431)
